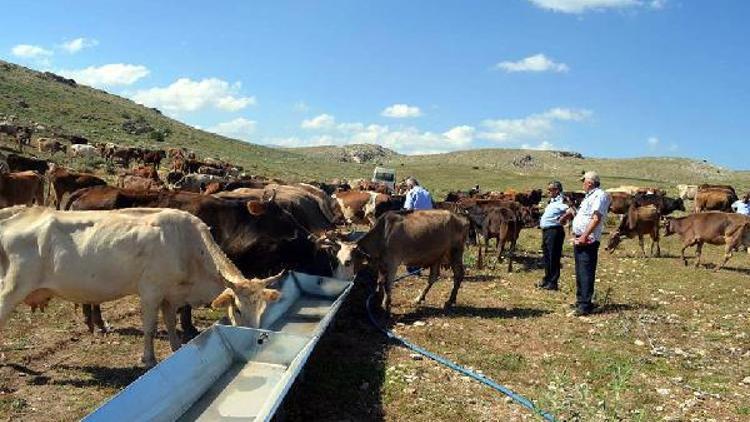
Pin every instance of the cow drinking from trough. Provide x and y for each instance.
(424, 239)
(166, 257)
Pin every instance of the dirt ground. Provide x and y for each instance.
(669, 343)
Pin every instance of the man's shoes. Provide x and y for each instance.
(546, 286)
(584, 310)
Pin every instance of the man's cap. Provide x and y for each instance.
(590, 175)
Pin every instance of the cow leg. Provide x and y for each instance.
(728, 251)
(434, 273)
(149, 315)
(388, 286)
(655, 239)
(97, 320)
(698, 250)
(682, 252)
(169, 313)
(86, 308)
(479, 256)
(511, 254)
(13, 290)
(186, 323)
(643, 249)
(457, 265)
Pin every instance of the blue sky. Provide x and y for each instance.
(611, 78)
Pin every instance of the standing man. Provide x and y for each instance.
(741, 206)
(553, 235)
(588, 224)
(417, 198)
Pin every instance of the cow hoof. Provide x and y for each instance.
(448, 305)
(104, 330)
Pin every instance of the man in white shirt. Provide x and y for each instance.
(588, 224)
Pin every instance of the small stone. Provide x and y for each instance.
(746, 380)
(639, 343)
(508, 399)
(419, 323)
(416, 356)
(663, 391)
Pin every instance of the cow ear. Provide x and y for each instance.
(256, 208)
(225, 299)
(271, 295)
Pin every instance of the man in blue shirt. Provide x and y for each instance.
(741, 206)
(553, 236)
(417, 198)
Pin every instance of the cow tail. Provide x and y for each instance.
(222, 263)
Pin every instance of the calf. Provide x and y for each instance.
(641, 221)
(502, 221)
(715, 228)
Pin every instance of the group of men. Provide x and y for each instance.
(588, 223)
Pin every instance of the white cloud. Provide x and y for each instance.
(186, 94)
(536, 63)
(653, 142)
(531, 127)
(460, 134)
(108, 75)
(239, 128)
(400, 111)
(28, 51)
(323, 121)
(581, 6)
(544, 146)
(78, 44)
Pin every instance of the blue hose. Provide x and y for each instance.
(523, 401)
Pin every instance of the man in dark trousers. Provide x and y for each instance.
(553, 235)
(588, 224)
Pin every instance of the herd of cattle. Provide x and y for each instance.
(209, 234)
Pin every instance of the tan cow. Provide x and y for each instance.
(22, 188)
(165, 256)
(715, 228)
(50, 145)
(714, 199)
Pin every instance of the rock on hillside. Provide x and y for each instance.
(355, 153)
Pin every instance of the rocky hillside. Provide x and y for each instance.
(355, 153)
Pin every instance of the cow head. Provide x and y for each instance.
(614, 241)
(668, 226)
(348, 259)
(246, 300)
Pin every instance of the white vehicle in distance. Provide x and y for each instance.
(385, 176)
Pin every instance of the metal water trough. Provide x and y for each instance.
(233, 373)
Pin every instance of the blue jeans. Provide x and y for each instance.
(586, 257)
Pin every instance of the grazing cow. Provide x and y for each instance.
(714, 199)
(257, 235)
(687, 191)
(426, 238)
(21, 163)
(77, 140)
(23, 188)
(154, 157)
(22, 134)
(83, 150)
(124, 156)
(629, 189)
(50, 145)
(62, 181)
(715, 228)
(646, 222)
(166, 257)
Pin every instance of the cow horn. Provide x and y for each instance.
(273, 279)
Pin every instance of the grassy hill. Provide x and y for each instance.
(65, 108)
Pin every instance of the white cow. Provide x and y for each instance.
(687, 191)
(165, 256)
(83, 150)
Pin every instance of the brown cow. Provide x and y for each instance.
(714, 199)
(620, 202)
(423, 239)
(715, 228)
(62, 181)
(646, 222)
(154, 157)
(23, 188)
(129, 181)
(503, 221)
(51, 146)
